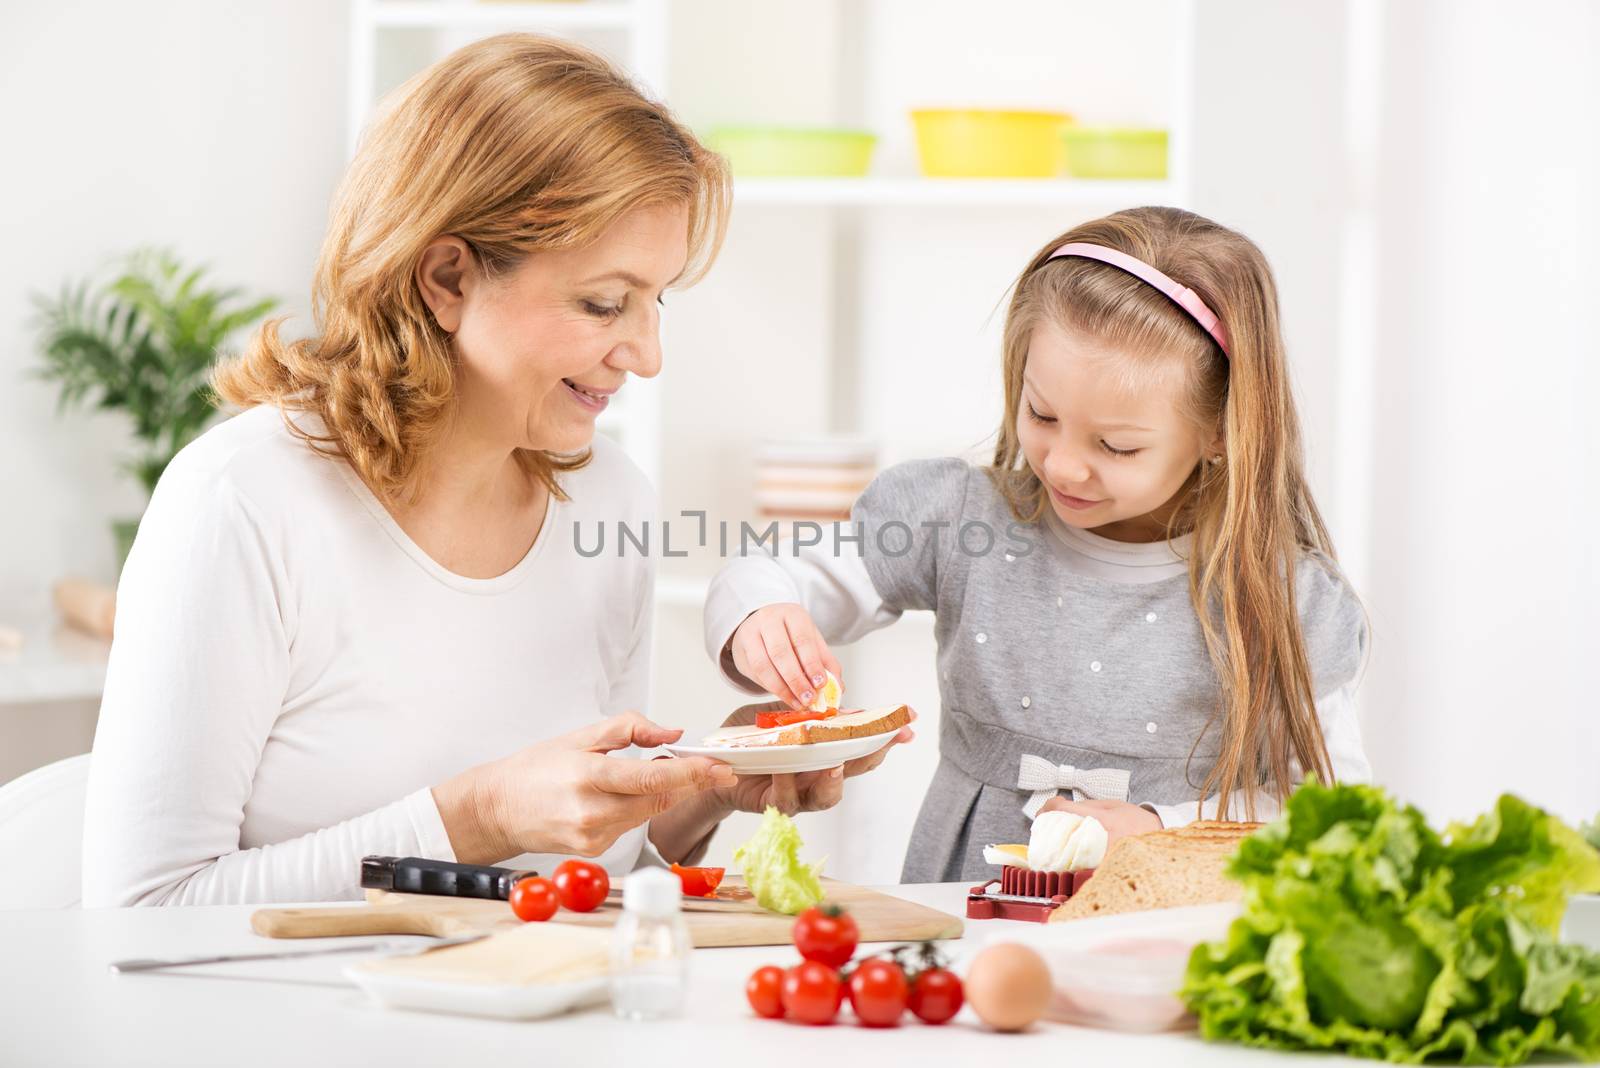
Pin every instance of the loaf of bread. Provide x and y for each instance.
(1161, 870)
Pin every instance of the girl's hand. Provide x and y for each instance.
(1120, 818)
(565, 796)
(808, 791)
(779, 649)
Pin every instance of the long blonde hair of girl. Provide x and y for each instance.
(1252, 516)
(516, 144)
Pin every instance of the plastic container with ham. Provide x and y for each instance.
(1123, 972)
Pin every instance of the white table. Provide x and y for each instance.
(60, 1006)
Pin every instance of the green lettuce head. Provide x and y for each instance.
(1365, 931)
(772, 869)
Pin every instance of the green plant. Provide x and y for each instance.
(143, 342)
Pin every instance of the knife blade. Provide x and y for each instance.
(389, 949)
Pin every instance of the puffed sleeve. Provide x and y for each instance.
(909, 519)
(1333, 624)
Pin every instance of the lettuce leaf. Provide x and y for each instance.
(1365, 931)
(772, 869)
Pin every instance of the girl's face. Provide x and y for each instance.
(541, 349)
(1111, 459)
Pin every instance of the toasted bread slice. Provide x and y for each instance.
(844, 725)
(1162, 869)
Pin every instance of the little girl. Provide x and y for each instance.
(1136, 602)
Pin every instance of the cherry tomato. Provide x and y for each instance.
(812, 992)
(699, 882)
(534, 898)
(583, 886)
(826, 934)
(936, 995)
(766, 720)
(764, 990)
(878, 993)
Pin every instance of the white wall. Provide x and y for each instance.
(212, 128)
(1486, 482)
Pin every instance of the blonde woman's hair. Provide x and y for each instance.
(1252, 516)
(516, 144)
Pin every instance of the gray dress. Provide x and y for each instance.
(1036, 660)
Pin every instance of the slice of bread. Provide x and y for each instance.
(844, 725)
(1159, 870)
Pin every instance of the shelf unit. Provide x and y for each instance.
(636, 33)
(950, 192)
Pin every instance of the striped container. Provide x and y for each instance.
(816, 478)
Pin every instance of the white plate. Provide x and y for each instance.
(527, 1001)
(787, 759)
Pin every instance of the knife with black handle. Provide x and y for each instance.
(418, 875)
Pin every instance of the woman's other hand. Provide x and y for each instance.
(807, 791)
(566, 796)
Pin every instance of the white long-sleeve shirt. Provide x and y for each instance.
(837, 591)
(291, 673)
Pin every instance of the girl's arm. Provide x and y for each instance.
(835, 591)
(1347, 757)
(858, 577)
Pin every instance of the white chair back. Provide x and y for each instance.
(41, 835)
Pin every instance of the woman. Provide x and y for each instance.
(355, 620)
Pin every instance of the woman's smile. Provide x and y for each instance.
(591, 398)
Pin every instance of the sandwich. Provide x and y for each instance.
(808, 727)
(1161, 869)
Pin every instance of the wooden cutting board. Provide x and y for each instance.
(731, 919)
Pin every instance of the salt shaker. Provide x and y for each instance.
(650, 948)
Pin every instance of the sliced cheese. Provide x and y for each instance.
(534, 953)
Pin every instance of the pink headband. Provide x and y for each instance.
(1182, 296)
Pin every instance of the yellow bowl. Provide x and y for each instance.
(989, 144)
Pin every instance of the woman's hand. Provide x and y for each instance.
(1120, 818)
(682, 835)
(780, 649)
(566, 796)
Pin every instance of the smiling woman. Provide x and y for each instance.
(512, 146)
(349, 624)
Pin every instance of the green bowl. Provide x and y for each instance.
(1114, 152)
(794, 152)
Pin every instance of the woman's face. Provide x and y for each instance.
(1111, 459)
(542, 348)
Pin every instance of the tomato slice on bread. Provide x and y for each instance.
(766, 720)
